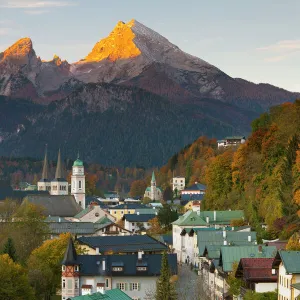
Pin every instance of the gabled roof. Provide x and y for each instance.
(231, 254)
(130, 243)
(84, 212)
(291, 261)
(114, 294)
(139, 218)
(256, 270)
(104, 220)
(62, 206)
(190, 218)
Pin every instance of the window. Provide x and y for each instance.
(121, 286)
(64, 283)
(141, 268)
(76, 268)
(76, 283)
(64, 268)
(117, 269)
(54, 188)
(80, 187)
(134, 286)
(115, 212)
(106, 282)
(122, 212)
(132, 224)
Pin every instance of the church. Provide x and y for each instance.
(58, 201)
(153, 192)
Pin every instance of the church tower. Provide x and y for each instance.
(153, 187)
(44, 183)
(59, 185)
(78, 182)
(70, 273)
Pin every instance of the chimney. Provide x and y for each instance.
(259, 248)
(103, 264)
(97, 250)
(138, 213)
(224, 234)
(140, 255)
(225, 243)
(249, 238)
(207, 220)
(215, 215)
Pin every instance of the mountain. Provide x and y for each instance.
(120, 126)
(135, 99)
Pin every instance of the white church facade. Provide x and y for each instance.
(153, 192)
(59, 186)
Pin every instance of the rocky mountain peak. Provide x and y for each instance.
(118, 45)
(20, 52)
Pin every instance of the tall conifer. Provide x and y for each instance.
(9, 248)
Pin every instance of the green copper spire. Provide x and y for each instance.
(153, 177)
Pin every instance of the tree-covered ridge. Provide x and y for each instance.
(263, 175)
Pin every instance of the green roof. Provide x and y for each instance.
(205, 238)
(148, 189)
(296, 286)
(190, 218)
(222, 217)
(104, 220)
(291, 261)
(231, 254)
(114, 294)
(78, 163)
(83, 213)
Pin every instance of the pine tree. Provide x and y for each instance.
(165, 289)
(9, 248)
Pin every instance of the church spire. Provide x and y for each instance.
(153, 176)
(45, 166)
(70, 254)
(58, 173)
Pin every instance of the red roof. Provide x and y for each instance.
(280, 245)
(256, 269)
(101, 284)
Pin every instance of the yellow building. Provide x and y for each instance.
(119, 211)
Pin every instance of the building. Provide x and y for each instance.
(93, 213)
(195, 189)
(59, 186)
(114, 294)
(120, 210)
(153, 192)
(178, 183)
(231, 141)
(121, 244)
(134, 274)
(287, 266)
(138, 222)
(257, 274)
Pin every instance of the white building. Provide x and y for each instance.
(231, 141)
(287, 264)
(138, 222)
(78, 182)
(134, 274)
(178, 183)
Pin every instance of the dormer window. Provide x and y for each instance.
(141, 269)
(76, 269)
(63, 268)
(117, 269)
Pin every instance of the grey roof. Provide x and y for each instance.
(139, 218)
(72, 227)
(166, 238)
(189, 197)
(70, 254)
(196, 186)
(62, 206)
(90, 265)
(59, 172)
(55, 219)
(130, 243)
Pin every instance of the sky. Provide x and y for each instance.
(257, 40)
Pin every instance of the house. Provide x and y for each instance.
(258, 275)
(153, 192)
(93, 213)
(231, 141)
(120, 210)
(287, 266)
(184, 245)
(121, 244)
(134, 274)
(178, 183)
(138, 222)
(114, 294)
(195, 189)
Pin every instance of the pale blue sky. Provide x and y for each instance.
(258, 40)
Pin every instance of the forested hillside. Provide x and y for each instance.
(261, 176)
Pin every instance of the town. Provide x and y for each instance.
(119, 248)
